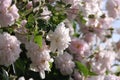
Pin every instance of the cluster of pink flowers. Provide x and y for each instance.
(8, 13)
(40, 58)
(86, 48)
(9, 49)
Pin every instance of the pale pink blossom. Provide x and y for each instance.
(78, 46)
(111, 77)
(99, 77)
(90, 7)
(77, 75)
(74, 9)
(103, 61)
(29, 5)
(8, 14)
(73, 12)
(69, 25)
(23, 23)
(9, 49)
(89, 37)
(40, 57)
(113, 8)
(105, 22)
(46, 13)
(21, 32)
(104, 77)
(60, 38)
(117, 49)
(65, 64)
(72, 2)
(4, 4)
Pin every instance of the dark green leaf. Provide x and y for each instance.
(5, 75)
(30, 22)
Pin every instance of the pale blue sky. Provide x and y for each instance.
(116, 25)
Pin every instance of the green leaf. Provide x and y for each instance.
(83, 21)
(74, 25)
(20, 67)
(82, 68)
(51, 64)
(31, 21)
(38, 40)
(92, 73)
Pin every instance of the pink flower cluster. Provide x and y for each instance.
(8, 13)
(85, 36)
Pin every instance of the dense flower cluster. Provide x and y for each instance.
(103, 61)
(59, 39)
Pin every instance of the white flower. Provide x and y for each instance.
(60, 38)
(9, 49)
(8, 14)
(40, 58)
(65, 64)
